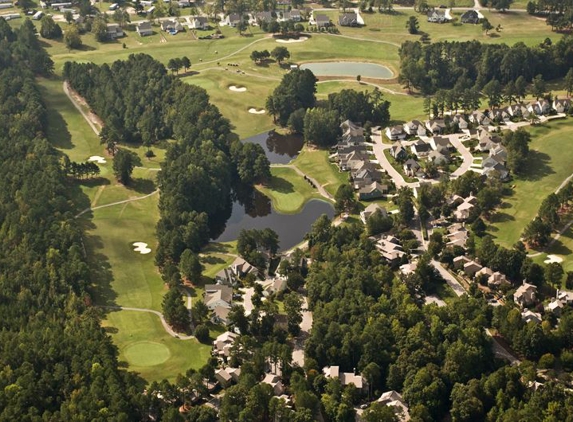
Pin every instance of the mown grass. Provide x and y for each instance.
(550, 162)
(288, 190)
(315, 163)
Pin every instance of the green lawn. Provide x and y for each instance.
(314, 162)
(147, 349)
(551, 162)
(288, 190)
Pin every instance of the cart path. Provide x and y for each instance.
(125, 201)
(317, 185)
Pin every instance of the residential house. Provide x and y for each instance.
(471, 16)
(184, 3)
(346, 378)
(398, 151)
(479, 118)
(499, 115)
(561, 105)
(437, 127)
(234, 372)
(438, 16)
(371, 209)
(353, 129)
(169, 25)
(231, 275)
(539, 107)
(440, 158)
(294, 15)
(218, 295)
(421, 149)
(321, 21)
(409, 268)
(463, 211)
(471, 268)
(275, 382)
(530, 316)
(390, 249)
(353, 160)
(232, 20)
(555, 306)
(373, 191)
(496, 280)
(223, 377)
(275, 285)
(437, 142)
(565, 296)
(517, 111)
(486, 140)
(114, 31)
(457, 235)
(461, 121)
(365, 176)
(220, 315)
(223, 343)
(395, 133)
(415, 128)
(493, 169)
(263, 17)
(198, 22)
(348, 19)
(144, 28)
(484, 272)
(460, 261)
(411, 167)
(394, 399)
(525, 295)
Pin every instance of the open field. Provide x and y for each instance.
(550, 163)
(315, 162)
(288, 190)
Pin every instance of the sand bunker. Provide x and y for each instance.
(291, 40)
(237, 88)
(141, 247)
(553, 258)
(97, 159)
(253, 110)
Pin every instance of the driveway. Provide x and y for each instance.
(466, 155)
(305, 326)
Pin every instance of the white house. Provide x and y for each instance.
(144, 28)
(395, 133)
(525, 295)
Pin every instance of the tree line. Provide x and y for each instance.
(57, 362)
(293, 103)
(471, 65)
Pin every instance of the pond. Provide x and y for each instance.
(280, 149)
(367, 70)
(256, 212)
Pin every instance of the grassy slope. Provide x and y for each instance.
(550, 164)
(288, 190)
(315, 163)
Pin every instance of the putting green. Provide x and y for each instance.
(146, 353)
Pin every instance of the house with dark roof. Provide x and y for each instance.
(321, 21)
(398, 151)
(144, 28)
(437, 127)
(421, 149)
(471, 16)
(348, 19)
(411, 167)
(294, 15)
(373, 191)
(264, 17)
(114, 31)
(171, 25)
(232, 20)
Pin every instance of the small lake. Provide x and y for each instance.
(280, 149)
(258, 213)
(367, 70)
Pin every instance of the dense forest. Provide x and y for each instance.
(139, 101)
(471, 65)
(56, 361)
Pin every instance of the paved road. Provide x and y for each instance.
(467, 156)
(79, 108)
(450, 279)
(305, 326)
(501, 351)
(378, 148)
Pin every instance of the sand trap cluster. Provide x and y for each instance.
(141, 247)
(553, 258)
(97, 159)
(237, 88)
(291, 40)
(253, 110)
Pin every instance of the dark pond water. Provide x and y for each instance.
(280, 149)
(254, 211)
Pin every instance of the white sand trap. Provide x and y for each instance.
(237, 88)
(97, 159)
(291, 40)
(141, 247)
(253, 110)
(553, 258)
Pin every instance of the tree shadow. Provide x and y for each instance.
(100, 271)
(212, 260)
(501, 217)
(217, 247)
(57, 129)
(140, 185)
(538, 165)
(281, 185)
(93, 182)
(558, 248)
